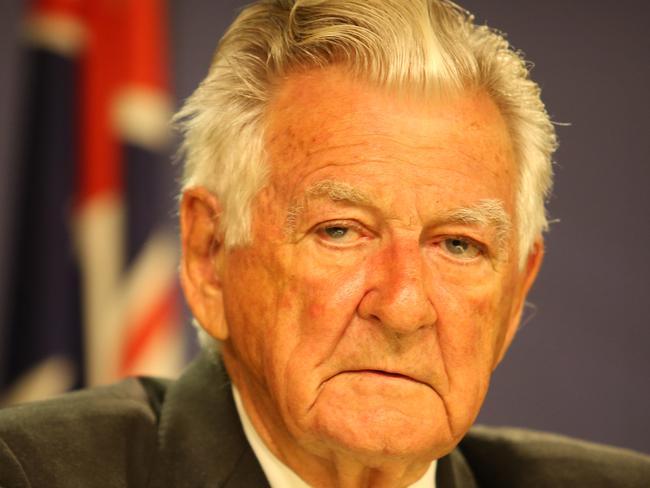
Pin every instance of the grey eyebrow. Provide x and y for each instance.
(337, 191)
(487, 212)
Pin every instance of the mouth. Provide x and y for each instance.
(385, 374)
(382, 373)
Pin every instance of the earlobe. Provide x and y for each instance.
(528, 276)
(202, 259)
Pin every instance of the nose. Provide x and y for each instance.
(397, 296)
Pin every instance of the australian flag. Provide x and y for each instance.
(94, 294)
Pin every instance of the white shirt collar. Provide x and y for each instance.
(281, 476)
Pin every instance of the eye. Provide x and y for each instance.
(336, 232)
(460, 247)
(339, 233)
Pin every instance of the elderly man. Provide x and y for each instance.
(362, 218)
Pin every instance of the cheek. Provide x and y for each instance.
(464, 332)
(470, 323)
(252, 290)
(466, 303)
(329, 284)
(335, 295)
(325, 302)
(286, 314)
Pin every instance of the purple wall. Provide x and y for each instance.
(580, 365)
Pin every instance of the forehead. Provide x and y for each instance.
(322, 125)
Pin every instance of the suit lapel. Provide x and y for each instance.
(200, 439)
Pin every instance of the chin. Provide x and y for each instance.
(383, 435)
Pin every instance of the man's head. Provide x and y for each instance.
(362, 220)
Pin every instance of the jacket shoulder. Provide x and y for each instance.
(97, 437)
(508, 457)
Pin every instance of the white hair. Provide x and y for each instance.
(430, 46)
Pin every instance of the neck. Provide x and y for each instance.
(347, 472)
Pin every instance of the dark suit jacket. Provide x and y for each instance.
(153, 433)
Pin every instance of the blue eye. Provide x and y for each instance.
(336, 232)
(461, 248)
(340, 233)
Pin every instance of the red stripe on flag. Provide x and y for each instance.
(162, 314)
(145, 36)
(100, 170)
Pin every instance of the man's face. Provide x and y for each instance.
(381, 286)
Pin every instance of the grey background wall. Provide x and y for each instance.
(581, 362)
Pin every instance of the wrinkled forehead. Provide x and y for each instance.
(316, 106)
(324, 120)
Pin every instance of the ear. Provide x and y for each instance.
(202, 260)
(523, 286)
